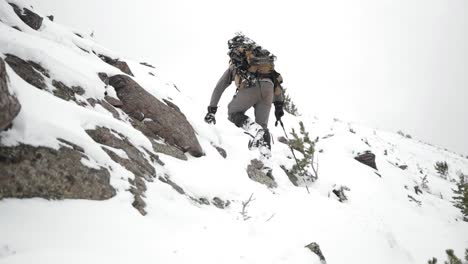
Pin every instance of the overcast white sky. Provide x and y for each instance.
(389, 64)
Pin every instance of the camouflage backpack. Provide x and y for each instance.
(252, 62)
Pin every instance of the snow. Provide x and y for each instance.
(377, 224)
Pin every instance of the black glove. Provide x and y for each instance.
(279, 110)
(210, 116)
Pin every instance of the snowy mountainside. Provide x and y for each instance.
(173, 207)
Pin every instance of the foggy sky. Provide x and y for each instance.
(388, 64)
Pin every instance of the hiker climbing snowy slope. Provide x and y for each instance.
(258, 86)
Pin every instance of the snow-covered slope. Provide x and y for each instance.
(379, 222)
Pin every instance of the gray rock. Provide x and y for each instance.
(291, 176)
(315, 248)
(28, 17)
(147, 65)
(66, 93)
(9, 104)
(218, 202)
(113, 101)
(367, 158)
(257, 172)
(160, 119)
(136, 162)
(121, 65)
(63, 91)
(176, 187)
(109, 108)
(29, 171)
(220, 150)
(26, 71)
(104, 78)
(158, 147)
(168, 150)
(403, 167)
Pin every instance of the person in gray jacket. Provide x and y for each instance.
(259, 94)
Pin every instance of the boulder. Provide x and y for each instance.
(121, 65)
(29, 171)
(28, 17)
(160, 119)
(28, 71)
(367, 158)
(9, 104)
(257, 172)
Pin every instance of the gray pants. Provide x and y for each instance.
(260, 96)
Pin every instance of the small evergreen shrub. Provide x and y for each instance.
(461, 195)
(304, 168)
(451, 258)
(289, 105)
(442, 168)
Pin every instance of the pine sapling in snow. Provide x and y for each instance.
(451, 258)
(289, 105)
(461, 196)
(442, 168)
(305, 168)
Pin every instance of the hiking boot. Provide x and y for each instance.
(261, 140)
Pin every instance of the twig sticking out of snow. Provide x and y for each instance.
(244, 207)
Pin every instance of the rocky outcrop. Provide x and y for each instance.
(121, 65)
(315, 248)
(93, 102)
(29, 171)
(134, 161)
(28, 17)
(66, 93)
(113, 101)
(9, 105)
(367, 158)
(163, 121)
(257, 172)
(28, 71)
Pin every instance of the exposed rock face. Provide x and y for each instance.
(315, 248)
(93, 102)
(9, 105)
(113, 101)
(256, 173)
(160, 119)
(174, 185)
(28, 17)
(134, 161)
(121, 65)
(28, 71)
(158, 147)
(29, 171)
(65, 92)
(367, 158)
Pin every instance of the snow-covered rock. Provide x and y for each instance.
(9, 105)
